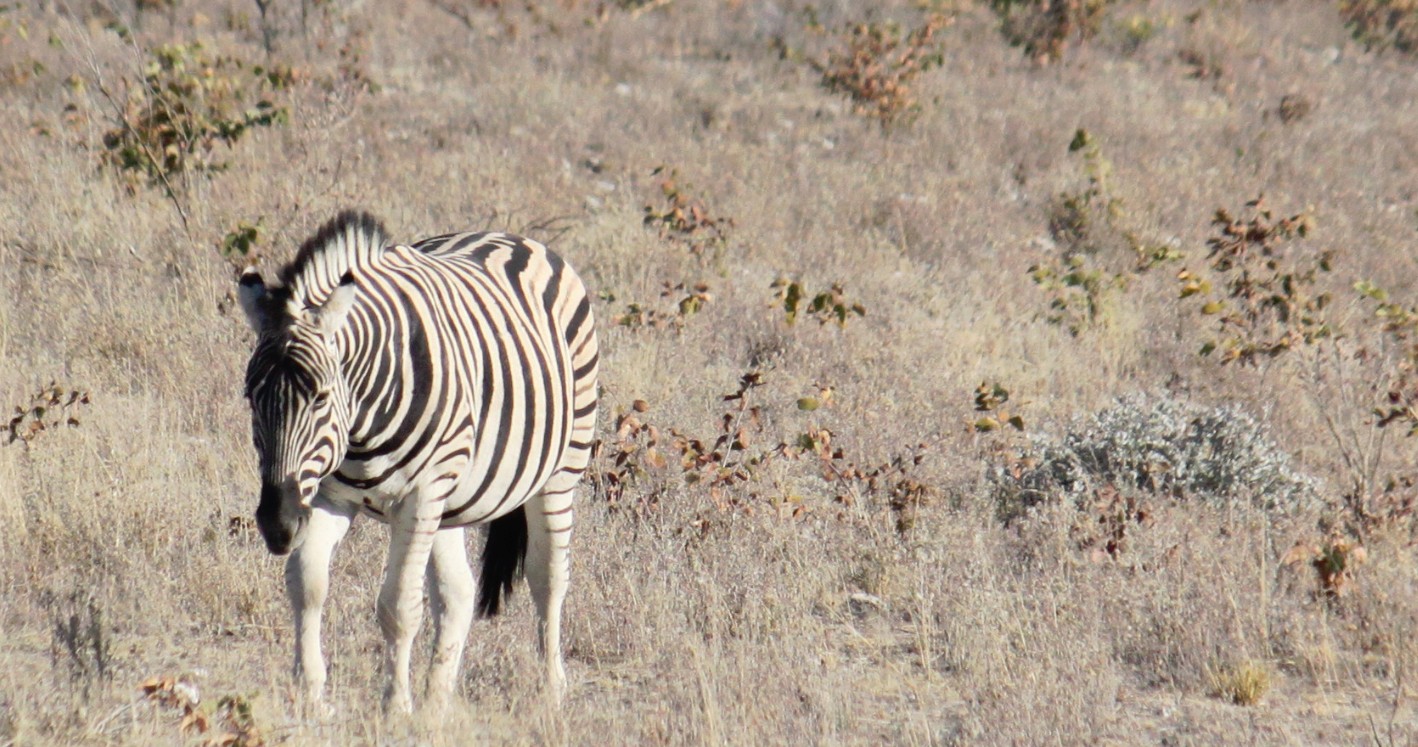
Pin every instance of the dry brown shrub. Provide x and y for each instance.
(876, 63)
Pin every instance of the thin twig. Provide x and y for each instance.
(101, 727)
(554, 227)
(458, 13)
(296, 208)
(122, 117)
(647, 7)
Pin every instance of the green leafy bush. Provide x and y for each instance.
(831, 305)
(238, 244)
(686, 301)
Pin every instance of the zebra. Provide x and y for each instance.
(433, 387)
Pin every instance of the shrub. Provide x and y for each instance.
(1399, 325)
(1137, 30)
(1083, 221)
(1086, 225)
(685, 219)
(687, 301)
(239, 243)
(877, 63)
(1271, 304)
(230, 724)
(1156, 444)
(1078, 292)
(1045, 27)
(990, 399)
(1382, 24)
(189, 102)
(1334, 560)
(831, 305)
(53, 405)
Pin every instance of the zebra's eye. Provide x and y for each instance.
(322, 398)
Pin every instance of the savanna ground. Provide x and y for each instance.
(1117, 540)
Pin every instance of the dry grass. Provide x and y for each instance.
(754, 612)
(1243, 683)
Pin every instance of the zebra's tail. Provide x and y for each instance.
(503, 555)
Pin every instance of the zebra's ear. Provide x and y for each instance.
(252, 293)
(332, 314)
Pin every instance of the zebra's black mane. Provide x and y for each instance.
(350, 241)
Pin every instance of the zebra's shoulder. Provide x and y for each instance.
(351, 241)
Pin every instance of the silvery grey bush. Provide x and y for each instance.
(1158, 444)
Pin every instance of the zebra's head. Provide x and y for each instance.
(299, 403)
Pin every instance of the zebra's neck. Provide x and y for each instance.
(381, 357)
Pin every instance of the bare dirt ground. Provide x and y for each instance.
(1162, 548)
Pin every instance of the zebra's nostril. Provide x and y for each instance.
(278, 543)
(277, 536)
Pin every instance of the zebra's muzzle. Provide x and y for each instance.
(280, 517)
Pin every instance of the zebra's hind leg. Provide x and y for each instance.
(451, 590)
(308, 585)
(411, 533)
(549, 518)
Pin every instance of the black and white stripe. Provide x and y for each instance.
(433, 386)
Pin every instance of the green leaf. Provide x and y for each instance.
(808, 404)
(1368, 289)
(791, 298)
(1081, 140)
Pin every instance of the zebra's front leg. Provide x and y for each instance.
(549, 516)
(412, 530)
(308, 585)
(451, 592)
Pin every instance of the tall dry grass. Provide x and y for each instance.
(698, 616)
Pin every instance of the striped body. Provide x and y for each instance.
(433, 386)
(485, 394)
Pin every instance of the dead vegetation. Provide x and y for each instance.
(914, 424)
